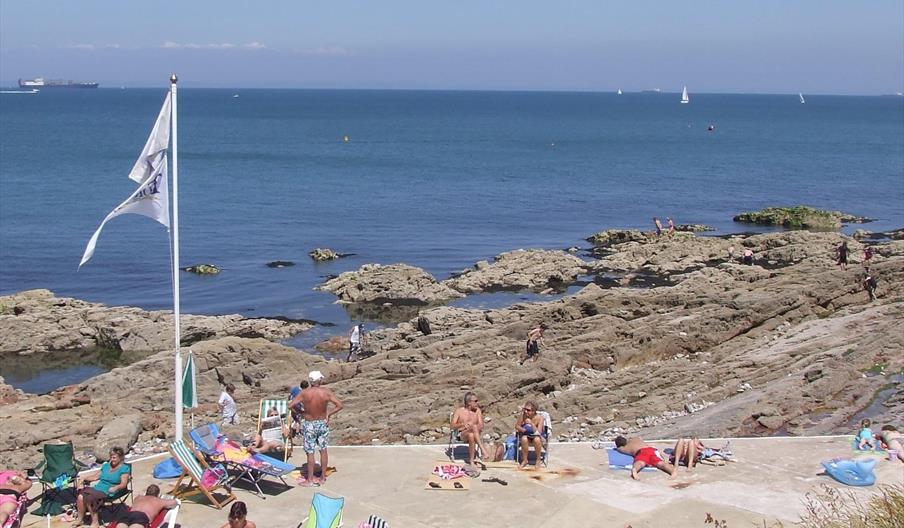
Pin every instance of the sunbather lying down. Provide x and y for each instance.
(12, 485)
(690, 451)
(262, 445)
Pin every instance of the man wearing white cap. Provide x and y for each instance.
(316, 425)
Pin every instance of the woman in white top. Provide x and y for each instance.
(227, 405)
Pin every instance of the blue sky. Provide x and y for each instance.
(766, 46)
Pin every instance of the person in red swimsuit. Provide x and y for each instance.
(644, 455)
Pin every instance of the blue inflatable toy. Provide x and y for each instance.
(852, 472)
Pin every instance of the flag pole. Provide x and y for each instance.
(175, 266)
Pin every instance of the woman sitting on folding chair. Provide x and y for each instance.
(112, 481)
(263, 445)
(530, 429)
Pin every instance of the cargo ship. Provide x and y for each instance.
(40, 83)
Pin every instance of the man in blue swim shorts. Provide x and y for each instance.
(316, 426)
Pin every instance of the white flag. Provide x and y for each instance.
(156, 145)
(150, 199)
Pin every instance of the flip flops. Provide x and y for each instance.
(457, 485)
(436, 484)
(495, 479)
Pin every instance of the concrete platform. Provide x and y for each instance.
(768, 483)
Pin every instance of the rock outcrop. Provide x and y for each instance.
(394, 284)
(720, 349)
(202, 269)
(534, 269)
(323, 254)
(36, 321)
(800, 217)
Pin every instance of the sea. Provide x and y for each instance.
(435, 179)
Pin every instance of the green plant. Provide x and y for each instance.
(836, 508)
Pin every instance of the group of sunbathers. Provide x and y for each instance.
(889, 438)
(530, 428)
(687, 452)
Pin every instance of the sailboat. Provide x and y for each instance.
(802, 100)
(619, 91)
(684, 98)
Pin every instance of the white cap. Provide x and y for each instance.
(315, 375)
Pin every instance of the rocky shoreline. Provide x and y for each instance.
(789, 345)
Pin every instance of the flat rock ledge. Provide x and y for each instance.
(393, 284)
(36, 321)
(532, 269)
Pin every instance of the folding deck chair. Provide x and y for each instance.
(252, 468)
(276, 430)
(547, 433)
(326, 512)
(193, 467)
(57, 475)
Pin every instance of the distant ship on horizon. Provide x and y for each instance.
(40, 83)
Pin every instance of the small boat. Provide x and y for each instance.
(24, 92)
(235, 95)
(619, 92)
(802, 100)
(684, 98)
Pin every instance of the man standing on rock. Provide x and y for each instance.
(468, 420)
(534, 338)
(316, 427)
(145, 509)
(644, 455)
(355, 338)
(658, 225)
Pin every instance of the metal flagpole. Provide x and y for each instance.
(178, 377)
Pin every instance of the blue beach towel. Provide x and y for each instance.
(852, 472)
(619, 460)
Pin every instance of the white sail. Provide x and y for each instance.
(684, 98)
(802, 100)
(619, 91)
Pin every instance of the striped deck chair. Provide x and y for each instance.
(326, 512)
(193, 466)
(276, 430)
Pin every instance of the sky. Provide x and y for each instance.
(766, 46)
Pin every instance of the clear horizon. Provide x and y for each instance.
(814, 47)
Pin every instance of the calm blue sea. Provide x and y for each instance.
(434, 179)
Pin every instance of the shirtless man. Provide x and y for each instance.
(145, 508)
(316, 426)
(658, 225)
(534, 338)
(468, 420)
(643, 454)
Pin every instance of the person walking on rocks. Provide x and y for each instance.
(671, 225)
(534, 338)
(747, 257)
(869, 283)
(867, 255)
(227, 406)
(658, 226)
(316, 427)
(468, 420)
(355, 339)
(843, 255)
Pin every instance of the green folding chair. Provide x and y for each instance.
(57, 473)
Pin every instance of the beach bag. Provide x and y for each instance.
(510, 443)
(169, 468)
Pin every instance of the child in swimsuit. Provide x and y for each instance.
(865, 437)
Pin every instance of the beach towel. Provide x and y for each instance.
(852, 472)
(619, 460)
(449, 471)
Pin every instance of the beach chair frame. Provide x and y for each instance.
(193, 466)
(282, 407)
